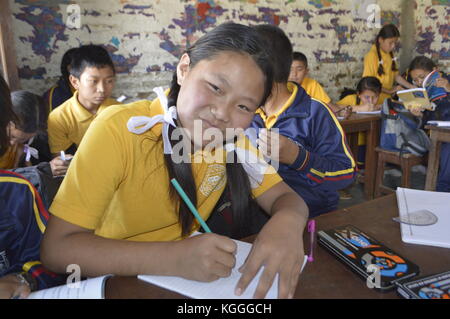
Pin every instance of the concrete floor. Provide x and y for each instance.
(392, 179)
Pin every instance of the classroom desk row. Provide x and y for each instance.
(327, 277)
(371, 125)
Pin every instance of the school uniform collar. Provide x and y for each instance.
(296, 106)
(81, 114)
(293, 89)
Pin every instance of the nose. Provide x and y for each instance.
(221, 112)
(101, 87)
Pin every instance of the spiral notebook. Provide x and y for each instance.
(412, 200)
(222, 288)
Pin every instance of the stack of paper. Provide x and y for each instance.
(410, 201)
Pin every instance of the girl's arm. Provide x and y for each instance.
(204, 257)
(279, 245)
(400, 80)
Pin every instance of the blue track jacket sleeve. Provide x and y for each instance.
(325, 158)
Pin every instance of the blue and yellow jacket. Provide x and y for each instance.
(23, 219)
(325, 163)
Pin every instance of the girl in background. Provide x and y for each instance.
(381, 63)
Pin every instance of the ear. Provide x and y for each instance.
(183, 68)
(307, 72)
(74, 81)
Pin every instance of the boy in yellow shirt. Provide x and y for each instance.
(299, 75)
(92, 74)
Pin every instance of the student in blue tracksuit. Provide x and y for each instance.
(313, 154)
(23, 219)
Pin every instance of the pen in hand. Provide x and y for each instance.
(190, 205)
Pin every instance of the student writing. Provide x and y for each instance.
(124, 217)
(22, 222)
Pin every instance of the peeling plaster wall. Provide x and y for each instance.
(145, 38)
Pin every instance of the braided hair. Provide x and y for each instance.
(388, 31)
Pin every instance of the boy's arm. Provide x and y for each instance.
(58, 135)
(329, 164)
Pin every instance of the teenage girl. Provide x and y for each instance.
(381, 63)
(116, 211)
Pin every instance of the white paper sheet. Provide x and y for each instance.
(411, 200)
(93, 288)
(222, 288)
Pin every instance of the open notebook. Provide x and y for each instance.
(412, 200)
(93, 288)
(222, 288)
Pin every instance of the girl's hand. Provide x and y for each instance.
(60, 167)
(396, 88)
(12, 287)
(277, 147)
(279, 248)
(206, 257)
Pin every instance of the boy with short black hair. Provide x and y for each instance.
(299, 74)
(92, 74)
(314, 158)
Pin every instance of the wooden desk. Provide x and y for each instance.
(370, 124)
(326, 277)
(437, 136)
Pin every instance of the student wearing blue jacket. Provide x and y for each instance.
(23, 219)
(314, 159)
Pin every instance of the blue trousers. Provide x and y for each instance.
(443, 180)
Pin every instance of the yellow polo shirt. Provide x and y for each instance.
(118, 184)
(371, 69)
(315, 90)
(68, 123)
(270, 120)
(350, 100)
(9, 159)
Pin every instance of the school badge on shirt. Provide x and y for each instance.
(214, 179)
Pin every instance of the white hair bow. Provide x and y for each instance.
(30, 151)
(141, 124)
(254, 166)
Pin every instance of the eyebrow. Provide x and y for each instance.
(225, 82)
(96, 76)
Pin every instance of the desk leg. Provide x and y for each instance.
(373, 137)
(433, 164)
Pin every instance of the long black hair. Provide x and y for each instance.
(386, 32)
(6, 115)
(227, 37)
(27, 107)
(422, 63)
